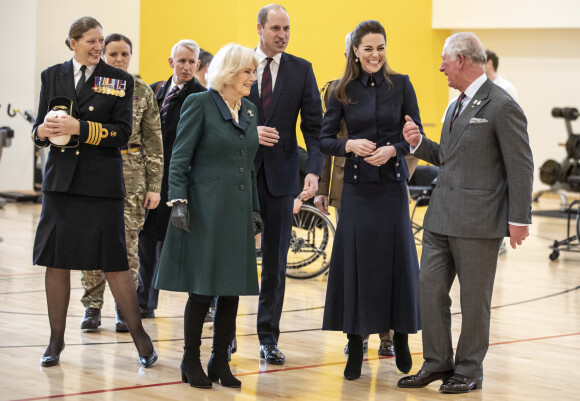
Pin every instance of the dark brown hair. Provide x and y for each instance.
(79, 27)
(352, 69)
(117, 37)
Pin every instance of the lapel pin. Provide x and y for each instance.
(250, 113)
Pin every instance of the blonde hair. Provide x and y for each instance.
(228, 61)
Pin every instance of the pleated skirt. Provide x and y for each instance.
(81, 233)
(374, 270)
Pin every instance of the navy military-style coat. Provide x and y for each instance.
(94, 167)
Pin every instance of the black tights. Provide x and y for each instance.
(57, 282)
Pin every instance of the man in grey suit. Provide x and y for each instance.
(483, 193)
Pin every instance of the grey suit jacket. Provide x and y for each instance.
(486, 169)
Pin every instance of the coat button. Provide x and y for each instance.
(242, 169)
(388, 143)
(242, 152)
(397, 164)
(242, 136)
(355, 155)
(355, 166)
(61, 150)
(77, 152)
(242, 187)
(355, 177)
(398, 175)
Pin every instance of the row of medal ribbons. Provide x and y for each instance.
(110, 86)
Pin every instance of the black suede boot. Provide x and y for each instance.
(402, 354)
(223, 329)
(355, 357)
(194, 316)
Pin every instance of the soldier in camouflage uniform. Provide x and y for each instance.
(142, 170)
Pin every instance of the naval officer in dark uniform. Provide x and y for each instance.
(81, 225)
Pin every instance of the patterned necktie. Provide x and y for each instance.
(266, 96)
(166, 102)
(457, 109)
(82, 80)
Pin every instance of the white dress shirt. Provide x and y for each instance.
(274, 67)
(77, 71)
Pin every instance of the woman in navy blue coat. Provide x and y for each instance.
(372, 285)
(81, 225)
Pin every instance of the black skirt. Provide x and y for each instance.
(374, 270)
(81, 233)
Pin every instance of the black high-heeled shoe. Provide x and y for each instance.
(51, 360)
(191, 370)
(353, 366)
(148, 360)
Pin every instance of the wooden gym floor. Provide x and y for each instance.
(534, 351)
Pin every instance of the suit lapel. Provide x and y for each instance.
(68, 84)
(462, 123)
(281, 79)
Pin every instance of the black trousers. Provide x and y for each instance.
(149, 251)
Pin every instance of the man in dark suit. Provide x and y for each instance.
(483, 193)
(284, 87)
(170, 96)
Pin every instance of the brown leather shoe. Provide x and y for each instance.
(120, 323)
(92, 319)
(461, 384)
(423, 378)
(386, 348)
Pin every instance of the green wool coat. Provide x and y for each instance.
(212, 166)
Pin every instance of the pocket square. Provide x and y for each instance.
(475, 120)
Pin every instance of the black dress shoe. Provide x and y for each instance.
(120, 323)
(272, 354)
(147, 313)
(423, 378)
(51, 360)
(365, 346)
(92, 319)
(386, 349)
(148, 360)
(461, 384)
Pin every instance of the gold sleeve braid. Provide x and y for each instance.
(323, 95)
(96, 133)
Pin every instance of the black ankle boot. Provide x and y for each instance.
(191, 370)
(219, 369)
(402, 354)
(355, 357)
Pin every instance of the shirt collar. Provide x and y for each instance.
(172, 84)
(235, 110)
(77, 67)
(364, 76)
(475, 85)
(262, 56)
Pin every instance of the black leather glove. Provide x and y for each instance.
(258, 224)
(180, 215)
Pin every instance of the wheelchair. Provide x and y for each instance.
(311, 243)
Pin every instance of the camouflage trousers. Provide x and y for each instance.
(93, 281)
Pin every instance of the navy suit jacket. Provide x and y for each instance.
(94, 167)
(295, 92)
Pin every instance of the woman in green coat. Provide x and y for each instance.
(209, 247)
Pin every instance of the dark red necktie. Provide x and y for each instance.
(457, 109)
(166, 102)
(266, 96)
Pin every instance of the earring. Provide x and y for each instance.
(356, 60)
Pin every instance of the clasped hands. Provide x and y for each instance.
(63, 125)
(370, 152)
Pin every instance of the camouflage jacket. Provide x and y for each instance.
(146, 165)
